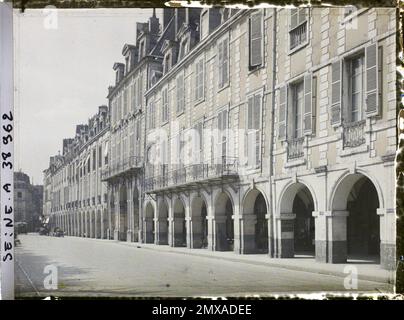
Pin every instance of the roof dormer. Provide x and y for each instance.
(130, 54)
(210, 19)
(119, 71)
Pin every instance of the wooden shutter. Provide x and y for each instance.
(256, 39)
(282, 112)
(220, 64)
(336, 94)
(257, 126)
(225, 61)
(372, 93)
(307, 121)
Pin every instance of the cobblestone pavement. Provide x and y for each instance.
(89, 267)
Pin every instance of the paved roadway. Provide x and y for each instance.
(89, 267)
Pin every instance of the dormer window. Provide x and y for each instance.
(184, 48)
(127, 64)
(141, 50)
(167, 63)
(204, 24)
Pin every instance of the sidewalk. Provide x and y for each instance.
(366, 270)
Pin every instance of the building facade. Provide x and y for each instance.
(257, 131)
(27, 202)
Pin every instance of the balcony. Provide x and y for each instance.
(354, 134)
(193, 175)
(295, 148)
(128, 166)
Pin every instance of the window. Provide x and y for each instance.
(199, 80)
(99, 156)
(297, 111)
(198, 142)
(222, 125)
(94, 159)
(125, 94)
(139, 92)
(180, 94)
(253, 130)
(167, 63)
(141, 50)
(298, 27)
(19, 195)
(131, 141)
(133, 96)
(138, 137)
(223, 62)
(183, 48)
(295, 108)
(355, 88)
(255, 40)
(164, 109)
(152, 115)
(204, 24)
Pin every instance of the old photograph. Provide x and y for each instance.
(205, 151)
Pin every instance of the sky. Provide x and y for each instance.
(63, 67)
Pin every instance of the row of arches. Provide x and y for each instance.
(356, 194)
(293, 231)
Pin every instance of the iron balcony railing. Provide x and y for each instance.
(122, 167)
(295, 148)
(184, 175)
(354, 134)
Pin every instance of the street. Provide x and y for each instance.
(90, 267)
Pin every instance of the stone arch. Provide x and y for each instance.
(296, 235)
(123, 213)
(136, 212)
(356, 200)
(161, 222)
(148, 224)
(223, 222)
(255, 210)
(179, 228)
(343, 185)
(199, 222)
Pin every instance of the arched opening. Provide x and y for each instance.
(161, 235)
(256, 237)
(148, 226)
(135, 215)
(105, 224)
(304, 237)
(123, 214)
(224, 223)
(358, 196)
(297, 233)
(199, 223)
(179, 225)
(98, 224)
(88, 224)
(363, 223)
(111, 223)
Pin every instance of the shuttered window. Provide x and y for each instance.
(164, 110)
(223, 62)
(373, 63)
(256, 39)
(336, 92)
(152, 115)
(138, 138)
(222, 125)
(125, 101)
(254, 130)
(140, 92)
(282, 108)
(133, 97)
(199, 80)
(298, 27)
(180, 94)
